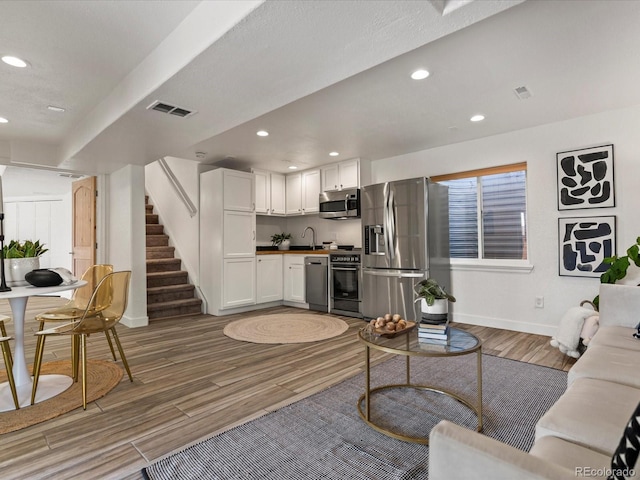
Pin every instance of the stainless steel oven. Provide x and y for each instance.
(346, 283)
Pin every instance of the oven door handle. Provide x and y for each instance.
(345, 269)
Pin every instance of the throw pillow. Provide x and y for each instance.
(624, 458)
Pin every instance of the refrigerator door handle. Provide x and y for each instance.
(393, 273)
(388, 239)
(392, 223)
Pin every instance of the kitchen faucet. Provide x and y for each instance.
(312, 244)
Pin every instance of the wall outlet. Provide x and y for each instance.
(539, 302)
(333, 236)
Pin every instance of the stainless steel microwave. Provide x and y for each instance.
(341, 205)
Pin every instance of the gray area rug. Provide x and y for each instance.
(323, 437)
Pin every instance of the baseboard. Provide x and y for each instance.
(134, 322)
(525, 327)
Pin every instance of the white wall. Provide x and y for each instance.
(174, 215)
(126, 237)
(506, 299)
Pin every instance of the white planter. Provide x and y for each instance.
(16, 268)
(440, 306)
(284, 245)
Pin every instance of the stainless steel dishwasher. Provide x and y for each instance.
(316, 275)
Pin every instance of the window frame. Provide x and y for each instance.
(491, 264)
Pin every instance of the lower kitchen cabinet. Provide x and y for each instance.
(269, 278)
(238, 282)
(294, 282)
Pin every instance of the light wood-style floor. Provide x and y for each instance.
(190, 382)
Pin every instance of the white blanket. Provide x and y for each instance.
(567, 337)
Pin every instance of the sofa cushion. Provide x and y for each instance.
(620, 337)
(572, 456)
(591, 413)
(608, 363)
(626, 455)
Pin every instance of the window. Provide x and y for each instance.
(487, 213)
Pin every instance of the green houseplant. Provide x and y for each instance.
(28, 249)
(430, 291)
(20, 259)
(281, 240)
(618, 266)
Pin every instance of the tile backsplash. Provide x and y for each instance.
(343, 232)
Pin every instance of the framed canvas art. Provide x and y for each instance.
(585, 178)
(584, 244)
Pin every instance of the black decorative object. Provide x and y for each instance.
(584, 243)
(3, 281)
(43, 277)
(585, 178)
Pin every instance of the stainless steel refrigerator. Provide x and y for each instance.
(405, 239)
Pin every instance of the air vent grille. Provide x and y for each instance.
(164, 107)
(522, 92)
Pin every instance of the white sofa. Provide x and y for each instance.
(581, 431)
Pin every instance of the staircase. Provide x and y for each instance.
(168, 292)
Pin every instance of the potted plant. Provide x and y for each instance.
(281, 240)
(434, 299)
(20, 259)
(618, 266)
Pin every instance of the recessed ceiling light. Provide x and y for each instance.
(334, 154)
(262, 133)
(420, 74)
(3, 120)
(14, 61)
(292, 167)
(53, 108)
(477, 118)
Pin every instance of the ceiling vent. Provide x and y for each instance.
(522, 92)
(70, 175)
(164, 107)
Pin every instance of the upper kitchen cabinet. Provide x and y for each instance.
(339, 176)
(302, 192)
(238, 191)
(269, 193)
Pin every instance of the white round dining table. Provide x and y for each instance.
(48, 385)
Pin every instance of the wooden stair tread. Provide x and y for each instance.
(174, 303)
(170, 288)
(173, 273)
(160, 261)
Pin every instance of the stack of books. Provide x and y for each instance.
(431, 331)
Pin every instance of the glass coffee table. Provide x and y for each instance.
(461, 342)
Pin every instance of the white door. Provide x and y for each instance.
(348, 174)
(269, 278)
(238, 282)
(311, 191)
(294, 281)
(239, 234)
(330, 179)
(278, 196)
(294, 194)
(238, 191)
(262, 193)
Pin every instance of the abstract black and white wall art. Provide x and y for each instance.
(585, 178)
(584, 243)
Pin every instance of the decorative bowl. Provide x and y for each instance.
(43, 277)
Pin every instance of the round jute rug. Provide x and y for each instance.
(102, 377)
(288, 328)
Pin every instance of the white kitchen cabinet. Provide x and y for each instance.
(269, 193)
(269, 278)
(310, 191)
(262, 182)
(303, 192)
(238, 190)
(227, 240)
(278, 194)
(340, 176)
(239, 234)
(294, 281)
(238, 282)
(294, 194)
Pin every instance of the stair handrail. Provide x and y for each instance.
(178, 186)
